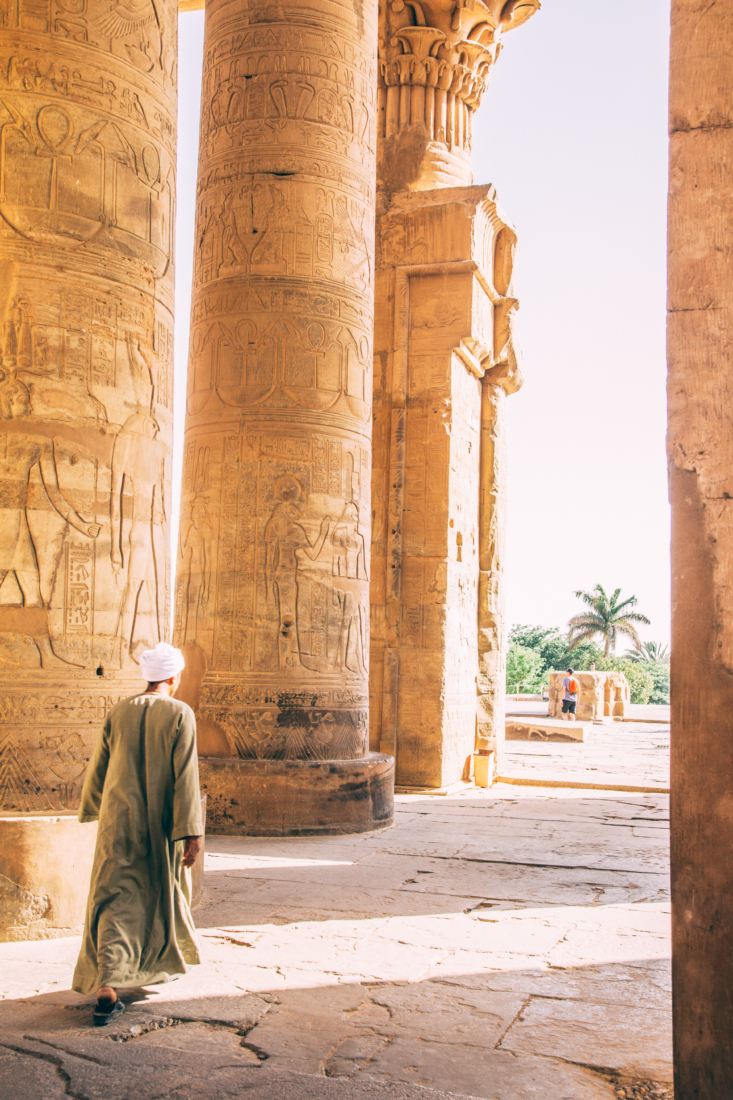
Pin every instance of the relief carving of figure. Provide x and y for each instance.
(138, 469)
(197, 558)
(348, 546)
(352, 629)
(132, 29)
(20, 452)
(234, 253)
(284, 536)
(270, 248)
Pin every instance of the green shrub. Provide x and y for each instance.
(524, 668)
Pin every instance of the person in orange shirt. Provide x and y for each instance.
(570, 696)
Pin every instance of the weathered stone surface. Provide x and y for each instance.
(546, 729)
(454, 953)
(299, 797)
(87, 195)
(45, 866)
(603, 696)
(700, 448)
(444, 358)
(615, 755)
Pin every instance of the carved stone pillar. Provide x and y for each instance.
(700, 450)
(87, 176)
(445, 358)
(272, 593)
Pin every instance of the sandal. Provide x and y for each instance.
(102, 1017)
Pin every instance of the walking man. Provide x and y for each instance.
(570, 696)
(142, 786)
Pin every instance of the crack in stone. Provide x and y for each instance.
(57, 1063)
(63, 1050)
(507, 1029)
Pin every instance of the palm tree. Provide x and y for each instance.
(649, 651)
(607, 617)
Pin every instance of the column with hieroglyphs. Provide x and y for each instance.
(87, 177)
(445, 359)
(272, 590)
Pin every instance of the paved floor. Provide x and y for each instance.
(510, 944)
(621, 754)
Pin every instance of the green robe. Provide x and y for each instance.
(143, 787)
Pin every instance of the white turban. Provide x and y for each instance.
(161, 663)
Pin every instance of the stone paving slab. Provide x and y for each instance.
(619, 754)
(503, 945)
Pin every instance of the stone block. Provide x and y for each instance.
(45, 867)
(484, 769)
(604, 696)
(298, 797)
(527, 728)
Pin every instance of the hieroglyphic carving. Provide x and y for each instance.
(87, 184)
(46, 737)
(274, 553)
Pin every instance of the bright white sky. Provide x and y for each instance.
(573, 133)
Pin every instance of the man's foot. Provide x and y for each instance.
(107, 1007)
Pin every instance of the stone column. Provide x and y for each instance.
(700, 443)
(87, 178)
(445, 357)
(272, 594)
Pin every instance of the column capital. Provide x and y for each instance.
(435, 57)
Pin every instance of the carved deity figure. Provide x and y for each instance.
(132, 29)
(20, 452)
(138, 466)
(348, 546)
(350, 654)
(197, 556)
(284, 537)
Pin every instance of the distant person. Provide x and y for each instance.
(570, 696)
(142, 786)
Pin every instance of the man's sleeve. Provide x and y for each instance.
(186, 796)
(91, 794)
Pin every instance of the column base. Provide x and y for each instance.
(298, 797)
(45, 867)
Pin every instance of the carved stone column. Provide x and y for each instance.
(272, 593)
(445, 358)
(87, 176)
